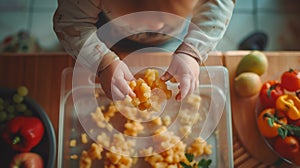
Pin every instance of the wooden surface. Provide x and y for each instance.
(41, 73)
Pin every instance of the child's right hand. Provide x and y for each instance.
(114, 80)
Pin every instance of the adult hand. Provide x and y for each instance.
(114, 80)
(185, 69)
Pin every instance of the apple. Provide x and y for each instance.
(27, 160)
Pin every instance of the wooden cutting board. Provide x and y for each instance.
(243, 109)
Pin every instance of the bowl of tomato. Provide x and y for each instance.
(27, 137)
(278, 115)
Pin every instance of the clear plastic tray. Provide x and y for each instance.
(213, 89)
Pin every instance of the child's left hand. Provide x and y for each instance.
(185, 69)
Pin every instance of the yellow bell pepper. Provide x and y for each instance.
(289, 104)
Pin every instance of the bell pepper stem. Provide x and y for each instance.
(16, 140)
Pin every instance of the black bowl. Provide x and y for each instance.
(47, 147)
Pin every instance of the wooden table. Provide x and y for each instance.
(41, 73)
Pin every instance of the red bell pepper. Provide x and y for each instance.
(269, 92)
(23, 133)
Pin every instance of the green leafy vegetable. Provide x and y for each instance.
(203, 163)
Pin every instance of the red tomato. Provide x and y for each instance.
(269, 92)
(287, 147)
(290, 80)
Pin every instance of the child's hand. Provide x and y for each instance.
(114, 79)
(185, 69)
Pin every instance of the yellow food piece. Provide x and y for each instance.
(95, 151)
(84, 138)
(87, 157)
(74, 156)
(142, 88)
(200, 147)
(132, 128)
(73, 143)
(85, 161)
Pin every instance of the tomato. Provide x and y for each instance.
(263, 124)
(287, 147)
(290, 80)
(269, 92)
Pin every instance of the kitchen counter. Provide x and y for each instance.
(41, 73)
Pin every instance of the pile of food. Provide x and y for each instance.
(143, 88)
(279, 114)
(20, 132)
(168, 147)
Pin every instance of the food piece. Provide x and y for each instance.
(157, 121)
(287, 147)
(290, 104)
(200, 147)
(255, 62)
(269, 93)
(166, 120)
(85, 161)
(247, 84)
(132, 128)
(84, 138)
(269, 121)
(116, 160)
(87, 157)
(143, 87)
(290, 80)
(17, 98)
(173, 151)
(95, 151)
(23, 133)
(27, 160)
(143, 93)
(73, 143)
(22, 91)
(74, 156)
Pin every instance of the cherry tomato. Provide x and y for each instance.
(269, 92)
(264, 126)
(287, 147)
(290, 80)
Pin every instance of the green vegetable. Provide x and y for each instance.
(203, 163)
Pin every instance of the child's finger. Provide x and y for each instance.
(185, 85)
(117, 94)
(125, 88)
(128, 75)
(166, 76)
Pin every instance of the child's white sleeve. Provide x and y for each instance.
(74, 25)
(209, 23)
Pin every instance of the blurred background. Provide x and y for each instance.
(275, 21)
